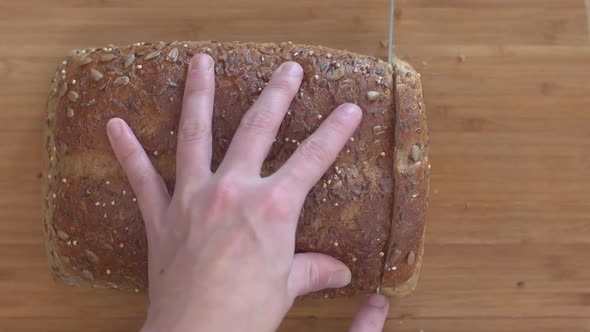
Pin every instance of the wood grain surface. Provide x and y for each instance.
(507, 86)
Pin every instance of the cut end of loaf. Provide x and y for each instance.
(411, 172)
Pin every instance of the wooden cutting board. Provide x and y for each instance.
(507, 86)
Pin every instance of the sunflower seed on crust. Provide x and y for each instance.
(123, 80)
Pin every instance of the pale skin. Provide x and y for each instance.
(221, 247)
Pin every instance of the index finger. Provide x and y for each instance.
(315, 155)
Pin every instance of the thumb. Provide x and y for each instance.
(312, 272)
(371, 315)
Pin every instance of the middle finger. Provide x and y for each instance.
(258, 128)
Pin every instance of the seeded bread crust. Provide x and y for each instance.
(93, 227)
(406, 246)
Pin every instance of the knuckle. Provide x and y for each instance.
(282, 85)
(184, 198)
(337, 126)
(137, 166)
(312, 150)
(141, 179)
(225, 191)
(313, 275)
(197, 85)
(275, 194)
(372, 323)
(258, 121)
(194, 131)
(129, 151)
(273, 202)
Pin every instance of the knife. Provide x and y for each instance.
(390, 43)
(389, 58)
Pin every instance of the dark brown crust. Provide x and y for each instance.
(404, 256)
(94, 231)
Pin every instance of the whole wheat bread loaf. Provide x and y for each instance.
(367, 211)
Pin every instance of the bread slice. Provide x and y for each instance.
(360, 212)
(412, 172)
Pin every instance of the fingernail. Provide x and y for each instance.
(201, 62)
(339, 278)
(378, 301)
(351, 109)
(115, 128)
(290, 68)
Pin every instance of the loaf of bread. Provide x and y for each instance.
(368, 210)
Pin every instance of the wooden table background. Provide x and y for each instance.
(507, 92)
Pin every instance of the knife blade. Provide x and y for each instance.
(390, 39)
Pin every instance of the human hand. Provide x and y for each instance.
(221, 248)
